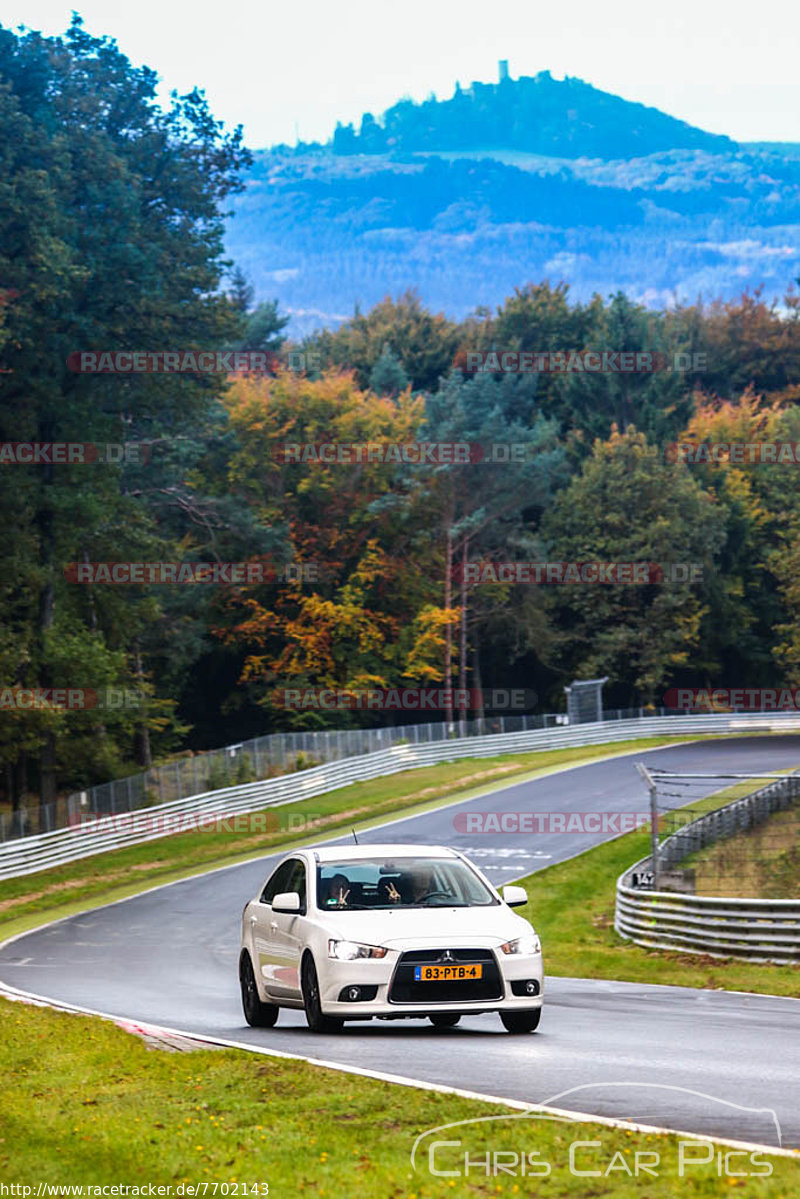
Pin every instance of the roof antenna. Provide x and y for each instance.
(355, 838)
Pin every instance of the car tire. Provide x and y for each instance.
(316, 1019)
(256, 1013)
(445, 1019)
(522, 1021)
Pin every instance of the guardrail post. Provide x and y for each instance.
(651, 786)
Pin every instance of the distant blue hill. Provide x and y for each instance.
(616, 196)
(534, 114)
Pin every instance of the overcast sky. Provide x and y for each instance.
(728, 66)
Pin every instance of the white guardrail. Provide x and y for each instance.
(28, 855)
(763, 930)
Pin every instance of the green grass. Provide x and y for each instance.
(64, 890)
(571, 904)
(763, 862)
(86, 1103)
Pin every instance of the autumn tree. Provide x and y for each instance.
(629, 505)
(358, 619)
(484, 506)
(424, 343)
(752, 629)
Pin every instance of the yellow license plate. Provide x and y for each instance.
(448, 974)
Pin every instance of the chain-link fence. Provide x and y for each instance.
(261, 758)
(731, 917)
(749, 846)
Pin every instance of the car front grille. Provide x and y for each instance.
(405, 989)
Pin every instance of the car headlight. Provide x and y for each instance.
(348, 951)
(525, 946)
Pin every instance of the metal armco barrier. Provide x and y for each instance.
(30, 854)
(265, 757)
(756, 929)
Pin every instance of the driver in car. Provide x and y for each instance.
(421, 884)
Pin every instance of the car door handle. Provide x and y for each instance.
(273, 926)
(252, 920)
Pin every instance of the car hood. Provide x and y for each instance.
(454, 927)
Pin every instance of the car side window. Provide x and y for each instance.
(278, 881)
(297, 881)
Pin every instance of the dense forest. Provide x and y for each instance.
(111, 239)
(325, 233)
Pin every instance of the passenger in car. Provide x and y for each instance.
(338, 890)
(389, 892)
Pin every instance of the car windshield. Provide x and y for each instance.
(399, 882)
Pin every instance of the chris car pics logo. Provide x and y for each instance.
(521, 1146)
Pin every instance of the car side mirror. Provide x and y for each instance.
(286, 901)
(515, 897)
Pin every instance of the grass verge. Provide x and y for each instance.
(571, 904)
(64, 890)
(86, 1103)
(763, 862)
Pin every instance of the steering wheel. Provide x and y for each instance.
(430, 895)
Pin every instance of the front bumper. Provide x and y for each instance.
(383, 977)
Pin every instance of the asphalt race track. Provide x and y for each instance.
(709, 1062)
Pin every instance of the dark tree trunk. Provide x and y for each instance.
(141, 738)
(448, 639)
(478, 681)
(47, 773)
(462, 665)
(48, 784)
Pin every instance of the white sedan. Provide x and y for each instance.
(392, 931)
